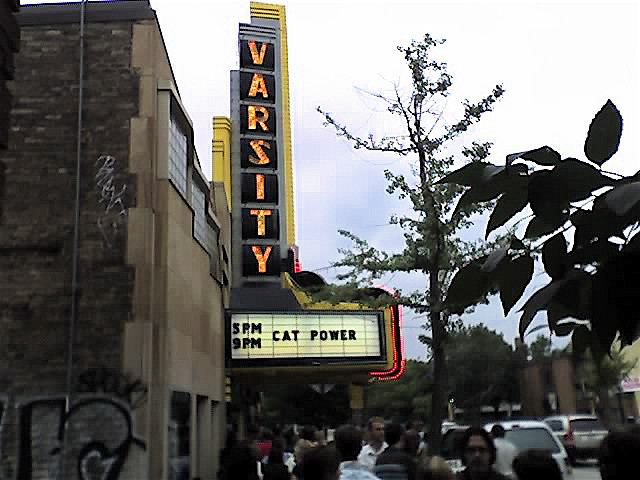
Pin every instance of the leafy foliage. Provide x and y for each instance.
(407, 398)
(584, 225)
(486, 368)
(440, 210)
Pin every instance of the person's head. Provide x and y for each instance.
(375, 429)
(252, 432)
(265, 434)
(536, 464)
(242, 462)
(393, 433)
(411, 442)
(348, 441)
(276, 454)
(619, 453)
(478, 450)
(289, 436)
(320, 463)
(434, 468)
(308, 432)
(497, 431)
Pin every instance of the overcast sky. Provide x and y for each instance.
(558, 61)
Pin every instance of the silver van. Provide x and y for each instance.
(581, 435)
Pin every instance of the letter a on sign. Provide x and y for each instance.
(261, 257)
(258, 85)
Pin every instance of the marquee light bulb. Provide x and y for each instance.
(261, 257)
(258, 85)
(254, 119)
(259, 186)
(256, 57)
(261, 220)
(257, 145)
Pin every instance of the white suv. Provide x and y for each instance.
(530, 434)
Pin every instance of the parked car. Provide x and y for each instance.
(528, 434)
(524, 434)
(581, 435)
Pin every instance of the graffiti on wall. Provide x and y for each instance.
(98, 431)
(111, 195)
(110, 381)
(91, 440)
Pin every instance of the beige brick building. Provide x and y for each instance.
(121, 370)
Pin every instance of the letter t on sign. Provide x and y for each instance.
(261, 222)
(261, 257)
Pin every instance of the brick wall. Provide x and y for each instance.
(37, 179)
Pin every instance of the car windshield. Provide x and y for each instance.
(586, 425)
(538, 438)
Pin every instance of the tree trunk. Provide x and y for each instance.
(438, 400)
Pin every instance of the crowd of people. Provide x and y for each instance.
(389, 451)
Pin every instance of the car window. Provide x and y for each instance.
(556, 425)
(538, 438)
(586, 425)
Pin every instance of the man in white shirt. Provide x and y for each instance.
(375, 445)
(506, 451)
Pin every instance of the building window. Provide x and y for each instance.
(214, 252)
(178, 157)
(200, 227)
(179, 436)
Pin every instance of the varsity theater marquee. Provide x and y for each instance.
(268, 326)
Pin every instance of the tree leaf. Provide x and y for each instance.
(633, 246)
(565, 328)
(517, 244)
(615, 300)
(538, 227)
(555, 313)
(574, 296)
(554, 256)
(512, 278)
(538, 301)
(547, 195)
(593, 252)
(467, 286)
(494, 259)
(537, 328)
(492, 184)
(542, 156)
(468, 175)
(604, 134)
(580, 341)
(507, 206)
(580, 179)
(623, 198)
(514, 156)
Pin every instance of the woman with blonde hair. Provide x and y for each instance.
(434, 468)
